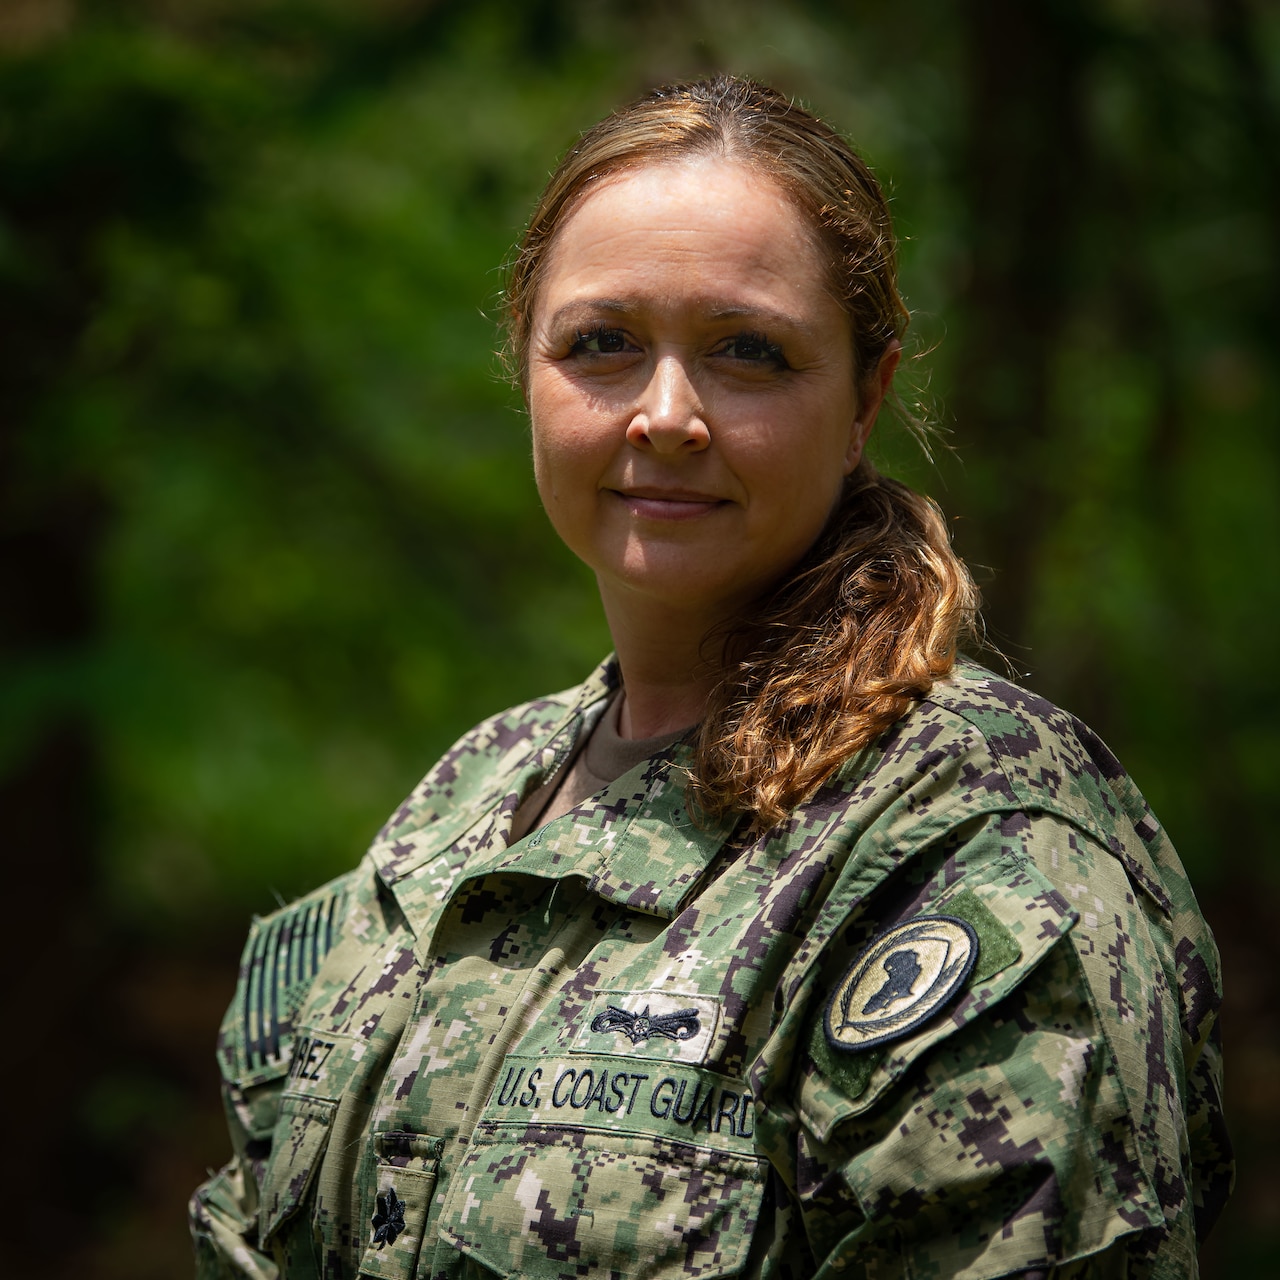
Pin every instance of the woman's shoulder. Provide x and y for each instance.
(1002, 746)
(1044, 756)
(979, 743)
(991, 810)
(281, 957)
(286, 948)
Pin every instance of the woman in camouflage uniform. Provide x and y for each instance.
(789, 943)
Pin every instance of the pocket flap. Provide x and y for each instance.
(297, 1147)
(555, 1203)
(404, 1180)
(1014, 930)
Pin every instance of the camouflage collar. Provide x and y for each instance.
(633, 843)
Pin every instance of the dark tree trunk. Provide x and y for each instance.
(1025, 170)
(56, 958)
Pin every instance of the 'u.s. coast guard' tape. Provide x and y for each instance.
(901, 978)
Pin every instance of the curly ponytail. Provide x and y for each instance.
(861, 629)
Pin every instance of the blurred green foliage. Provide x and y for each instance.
(274, 233)
(271, 539)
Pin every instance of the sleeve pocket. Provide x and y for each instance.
(554, 1203)
(404, 1180)
(1016, 931)
(297, 1147)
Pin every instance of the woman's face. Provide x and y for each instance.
(691, 384)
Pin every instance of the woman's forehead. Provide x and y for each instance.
(704, 227)
(694, 184)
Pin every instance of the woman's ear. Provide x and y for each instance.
(873, 393)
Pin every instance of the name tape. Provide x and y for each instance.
(665, 1100)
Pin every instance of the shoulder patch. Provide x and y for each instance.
(283, 955)
(899, 980)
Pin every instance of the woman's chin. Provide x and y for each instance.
(678, 590)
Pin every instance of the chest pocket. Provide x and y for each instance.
(404, 1180)
(553, 1203)
(297, 1148)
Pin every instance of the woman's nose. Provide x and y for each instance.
(669, 415)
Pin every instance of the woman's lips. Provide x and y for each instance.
(668, 504)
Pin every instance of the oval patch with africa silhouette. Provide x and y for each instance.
(900, 979)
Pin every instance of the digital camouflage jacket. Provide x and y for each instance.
(955, 1017)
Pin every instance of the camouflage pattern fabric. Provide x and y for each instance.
(620, 1046)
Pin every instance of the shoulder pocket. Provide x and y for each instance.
(297, 1148)
(552, 1203)
(1015, 928)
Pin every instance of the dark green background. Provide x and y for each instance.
(269, 540)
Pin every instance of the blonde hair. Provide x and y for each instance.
(873, 614)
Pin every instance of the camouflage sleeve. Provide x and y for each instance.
(1034, 1125)
(279, 963)
(222, 1224)
(1211, 1155)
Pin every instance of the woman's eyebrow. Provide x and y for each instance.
(611, 306)
(766, 316)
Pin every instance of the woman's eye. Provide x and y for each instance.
(754, 347)
(600, 341)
